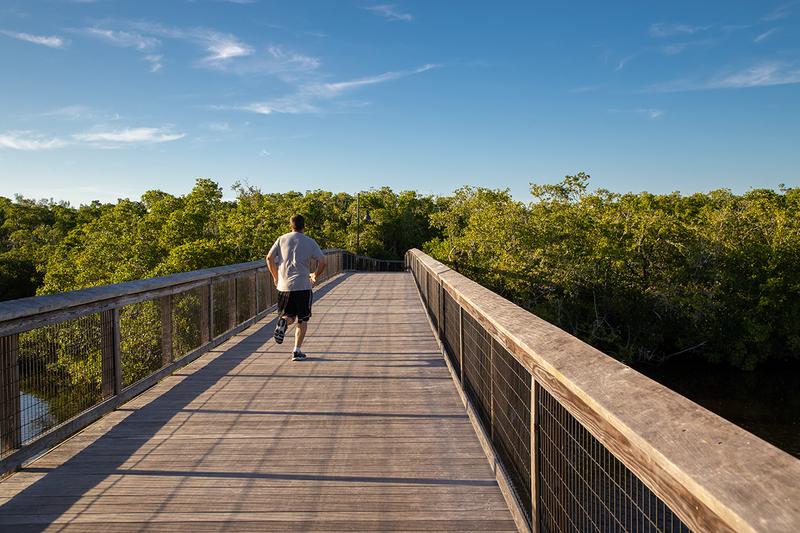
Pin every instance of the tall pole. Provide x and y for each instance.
(358, 221)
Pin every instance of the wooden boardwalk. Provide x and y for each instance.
(368, 434)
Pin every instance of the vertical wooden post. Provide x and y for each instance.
(205, 314)
(534, 455)
(251, 286)
(211, 316)
(10, 412)
(441, 310)
(165, 302)
(257, 285)
(461, 343)
(232, 318)
(109, 327)
(491, 386)
(117, 352)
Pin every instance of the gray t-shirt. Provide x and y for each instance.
(293, 253)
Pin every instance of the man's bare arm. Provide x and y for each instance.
(273, 269)
(320, 269)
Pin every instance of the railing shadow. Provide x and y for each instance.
(141, 423)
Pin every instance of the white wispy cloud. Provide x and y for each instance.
(219, 46)
(53, 41)
(309, 96)
(333, 89)
(155, 62)
(763, 74)
(651, 113)
(766, 35)
(390, 12)
(72, 112)
(123, 39)
(661, 29)
(29, 141)
(287, 65)
(780, 12)
(130, 135)
(217, 126)
(622, 63)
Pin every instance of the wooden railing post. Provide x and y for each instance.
(441, 311)
(111, 357)
(211, 316)
(461, 342)
(257, 285)
(10, 413)
(232, 308)
(165, 303)
(534, 455)
(251, 286)
(205, 314)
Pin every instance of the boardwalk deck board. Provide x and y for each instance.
(369, 434)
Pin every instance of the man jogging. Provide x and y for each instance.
(289, 262)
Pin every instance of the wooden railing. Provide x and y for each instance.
(66, 359)
(584, 442)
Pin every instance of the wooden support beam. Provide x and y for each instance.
(165, 302)
(205, 314)
(111, 353)
(10, 413)
(534, 456)
(232, 308)
(461, 342)
(251, 287)
(257, 291)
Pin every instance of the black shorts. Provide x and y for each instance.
(295, 304)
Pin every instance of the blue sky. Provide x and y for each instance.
(109, 98)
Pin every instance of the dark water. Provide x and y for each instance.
(765, 402)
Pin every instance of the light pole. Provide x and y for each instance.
(358, 221)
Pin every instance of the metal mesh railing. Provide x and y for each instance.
(58, 374)
(477, 363)
(141, 345)
(451, 330)
(580, 485)
(511, 420)
(69, 357)
(188, 321)
(584, 487)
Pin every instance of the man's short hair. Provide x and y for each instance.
(298, 222)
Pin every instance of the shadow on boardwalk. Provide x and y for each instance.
(71, 491)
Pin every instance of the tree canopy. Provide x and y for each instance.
(640, 276)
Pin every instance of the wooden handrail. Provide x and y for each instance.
(714, 475)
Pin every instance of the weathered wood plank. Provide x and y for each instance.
(10, 415)
(368, 434)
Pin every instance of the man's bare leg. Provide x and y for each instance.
(300, 334)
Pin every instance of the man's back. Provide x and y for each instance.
(293, 253)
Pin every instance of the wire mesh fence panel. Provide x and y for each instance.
(584, 487)
(245, 298)
(187, 321)
(59, 370)
(451, 332)
(477, 360)
(511, 420)
(220, 308)
(141, 346)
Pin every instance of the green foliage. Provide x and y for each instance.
(641, 276)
